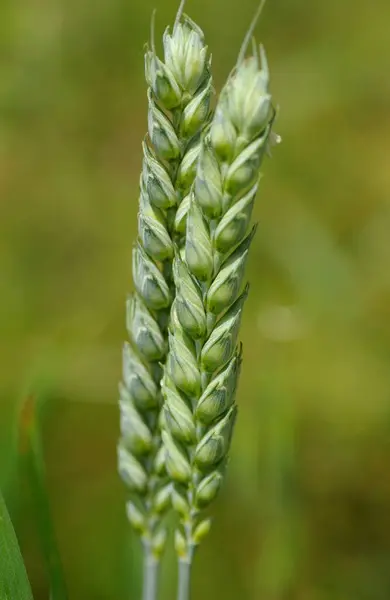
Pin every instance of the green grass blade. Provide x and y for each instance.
(14, 582)
(34, 465)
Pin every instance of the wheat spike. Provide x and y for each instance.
(203, 365)
(179, 92)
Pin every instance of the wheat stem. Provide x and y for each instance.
(151, 570)
(184, 580)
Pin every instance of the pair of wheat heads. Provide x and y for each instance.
(199, 180)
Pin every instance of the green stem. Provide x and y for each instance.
(150, 575)
(184, 587)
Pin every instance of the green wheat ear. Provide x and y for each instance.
(179, 92)
(204, 359)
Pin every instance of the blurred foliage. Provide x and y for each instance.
(13, 577)
(305, 513)
(33, 468)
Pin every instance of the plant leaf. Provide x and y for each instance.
(13, 577)
(31, 451)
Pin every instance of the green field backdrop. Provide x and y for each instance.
(305, 512)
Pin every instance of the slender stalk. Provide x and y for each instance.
(184, 583)
(151, 573)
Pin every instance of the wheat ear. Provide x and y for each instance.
(179, 108)
(203, 363)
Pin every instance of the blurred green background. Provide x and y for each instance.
(305, 513)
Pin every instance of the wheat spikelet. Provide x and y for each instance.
(179, 108)
(203, 365)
